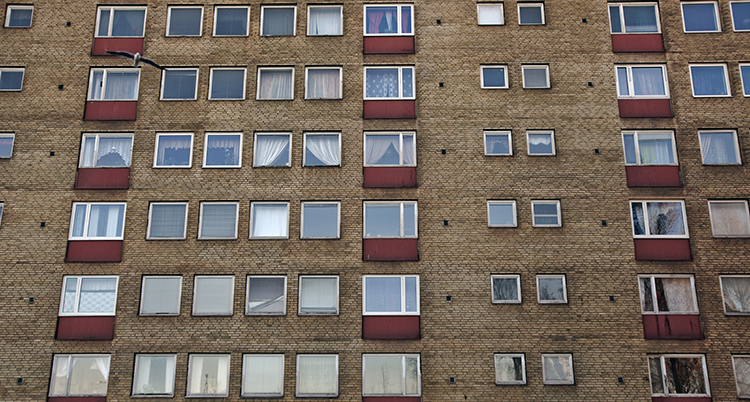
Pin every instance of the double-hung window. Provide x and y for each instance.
(323, 20)
(490, 14)
(317, 376)
(278, 21)
(389, 20)
(6, 144)
(735, 291)
(494, 77)
(510, 369)
(390, 294)
(17, 16)
(318, 295)
(97, 221)
(11, 79)
(391, 375)
(323, 83)
(719, 147)
(667, 294)
(79, 375)
(106, 150)
(634, 18)
(389, 83)
(546, 213)
(740, 15)
(709, 80)
(179, 84)
(231, 20)
(89, 295)
(390, 149)
(322, 149)
(167, 221)
(222, 150)
(154, 375)
(184, 21)
(266, 295)
(678, 375)
(213, 295)
(535, 76)
(272, 149)
(275, 83)
(700, 16)
(642, 82)
(160, 295)
(320, 220)
(262, 375)
(208, 376)
(218, 220)
(729, 218)
(745, 75)
(741, 365)
(551, 289)
(506, 289)
(501, 214)
(173, 150)
(531, 14)
(120, 22)
(269, 220)
(498, 143)
(226, 83)
(649, 148)
(557, 369)
(390, 219)
(659, 219)
(113, 84)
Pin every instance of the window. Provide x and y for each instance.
(160, 295)
(490, 14)
(6, 145)
(535, 77)
(662, 219)
(218, 220)
(89, 295)
(227, 84)
(119, 22)
(318, 295)
(735, 291)
(184, 21)
(166, 220)
(278, 21)
(179, 84)
(741, 366)
(530, 13)
(667, 294)
(649, 148)
(222, 150)
(700, 17)
(269, 220)
(709, 80)
(325, 20)
(745, 77)
(18, 16)
(498, 143)
(678, 375)
(501, 214)
(317, 375)
(510, 369)
(97, 221)
(231, 20)
(740, 15)
(557, 369)
(719, 147)
(173, 150)
(494, 77)
(208, 376)
(272, 149)
(391, 295)
(322, 149)
(729, 218)
(642, 81)
(213, 295)
(113, 84)
(383, 83)
(391, 375)
(506, 288)
(323, 83)
(389, 20)
(106, 150)
(390, 219)
(390, 149)
(320, 220)
(634, 18)
(266, 295)
(275, 83)
(551, 289)
(546, 213)
(154, 375)
(2, 205)
(79, 375)
(11, 79)
(263, 376)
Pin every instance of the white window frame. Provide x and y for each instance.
(190, 370)
(558, 382)
(736, 148)
(400, 146)
(531, 4)
(247, 28)
(398, 18)
(304, 148)
(502, 202)
(403, 373)
(302, 219)
(735, 358)
(724, 304)
(255, 149)
(620, 6)
(559, 213)
(150, 215)
(654, 301)
(564, 286)
(205, 148)
(9, 10)
(106, 71)
(95, 151)
(499, 132)
(505, 73)
(745, 84)
(70, 366)
(731, 11)
(247, 293)
(236, 219)
(489, 4)
(637, 147)
(646, 222)
(262, 19)
(713, 225)
(164, 77)
(14, 69)
(112, 10)
(12, 137)
(523, 368)
(211, 82)
(341, 82)
(169, 21)
(403, 296)
(296, 387)
(664, 376)
(212, 314)
(179, 296)
(252, 219)
(88, 216)
(156, 151)
(135, 376)
(400, 82)
(245, 362)
(631, 89)
(495, 300)
(525, 67)
(260, 73)
(716, 16)
(726, 80)
(401, 204)
(338, 295)
(341, 13)
(79, 281)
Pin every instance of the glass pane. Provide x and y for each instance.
(60, 375)
(745, 72)
(614, 19)
(675, 295)
(407, 82)
(729, 218)
(121, 85)
(647, 295)
(383, 375)
(6, 146)
(505, 289)
(741, 17)
(410, 220)
(508, 369)
(106, 220)
(656, 149)
(381, 82)
(382, 150)
(103, 23)
(114, 151)
(736, 292)
(324, 21)
(154, 375)
(11, 80)
(535, 78)
(540, 144)
(322, 150)
(278, 21)
(412, 294)
(719, 148)
(708, 81)
(223, 150)
(494, 77)
(88, 376)
(545, 214)
(551, 289)
(742, 375)
(497, 144)
(263, 375)
(490, 14)
(648, 81)
(98, 295)
(161, 295)
(270, 220)
(320, 220)
(323, 83)
(185, 21)
(640, 19)
(530, 15)
(383, 295)
(684, 375)
(272, 150)
(208, 375)
(557, 369)
(88, 150)
(213, 295)
(657, 380)
(318, 295)
(276, 84)
(19, 17)
(317, 375)
(230, 21)
(128, 22)
(227, 84)
(382, 220)
(405, 19)
(629, 144)
(179, 84)
(622, 81)
(69, 295)
(639, 222)
(173, 150)
(266, 295)
(79, 217)
(501, 214)
(381, 20)
(665, 218)
(699, 17)
(219, 220)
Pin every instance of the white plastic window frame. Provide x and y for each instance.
(341, 13)
(523, 368)
(713, 225)
(637, 147)
(236, 219)
(398, 17)
(646, 223)
(14, 69)
(143, 289)
(245, 357)
(507, 133)
(9, 11)
(631, 89)
(211, 314)
(480, 5)
(304, 145)
(512, 203)
(112, 10)
(247, 28)
(400, 83)
(505, 74)
(745, 84)
(307, 82)
(525, 67)
(255, 149)
(724, 304)
(12, 137)
(564, 287)
(150, 216)
(159, 136)
(620, 6)
(252, 219)
(549, 202)
(736, 148)
(302, 219)
(260, 75)
(106, 71)
(731, 11)
(716, 16)
(401, 221)
(205, 148)
(664, 376)
(324, 313)
(403, 374)
(190, 372)
(735, 359)
(164, 77)
(400, 146)
(495, 300)
(169, 21)
(247, 293)
(727, 84)
(262, 19)
(98, 136)
(70, 366)
(86, 221)
(297, 382)
(211, 82)
(135, 375)
(652, 279)
(546, 381)
(403, 311)
(539, 5)
(79, 281)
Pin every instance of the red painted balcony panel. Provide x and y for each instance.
(85, 328)
(391, 327)
(390, 250)
(645, 107)
(391, 399)
(110, 110)
(662, 249)
(681, 399)
(390, 109)
(672, 326)
(374, 177)
(130, 45)
(76, 399)
(633, 43)
(388, 45)
(102, 178)
(653, 176)
(94, 251)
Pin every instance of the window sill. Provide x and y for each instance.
(388, 45)
(102, 178)
(389, 109)
(390, 250)
(637, 43)
(686, 398)
(111, 110)
(76, 399)
(672, 326)
(645, 107)
(389, 327)
(653, 176)
(662, 249)
(130, 45)
(85, 328)
(94, 251)
(391, 399)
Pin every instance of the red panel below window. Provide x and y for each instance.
(94, 251)
(391, 399)
(390, 327)
(389, 177)
(102, 178)
(390, 250)
(85, 328)
(672, 327)
(637, 43)
(76, 399)
(110, 110)
(130, 45)
(645, 107)
(390, 109)
(653, 176)
(680, 399)
(388, 45)
(662, 249)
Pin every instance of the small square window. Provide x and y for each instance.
(535, 77)
(208, 376)
(700, 17)
(320, 220)
(275, 83)
(662, 219)
(389, 20)
(390, 149)
(184, 21)
(494, 77)
(113, 84)
(266, 295)
(634, 18)
(745, 77)
(120, 22)
(18, 16)
(540, 143)
(709, 80)
(319, 295)
(741, 365)
(390, 295)
(501, 214)
(179, 84)
(218, 220)
(106, 150)
(89, 295)
(262, 376)
(160, 295)
(173, 150)
(735, 291)
(322, 149)
(278, 21)
(510, 369)
(227, 84)
(154, 375)
(394, 375)
(649, 148)
(231, 21)
(323, 83)
(390, 219)
(6, 144)
(506, 289)
(167, 220)
(557, 369)
(740, 17)
(269, 220)
(551, 289)
(490, 14)
(383, 83)
(325, 20)
(222, 150)
(79, 375)
(97, 221)
(317, 376)
(719, 147)
(729, 218)
(667, 294)
(272, 149)
(530, 13)
(678, 375)
(11, 79)
(213, 295)
(498, 143)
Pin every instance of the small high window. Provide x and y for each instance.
(634, 18)
(97, 221)
(390, 149)
(498, 143)
(184, 21)
(317, 376)
(391, 375)
(120, 22)
(323, 83)
(154, 375)
(649, 148)
(678, 375)
(535, 76)
(506, 289)
(557, 369)
(113, 84)
(490, 14)
(179, 84)
(740, 16)
(231, 20)
(213, 295)
(709, 80)
(208, 376)
(227, 83)
(318, 295)
(222, 150)
(17, 16)
(530, 13)
(262, 376)
(642, 81)
(494, 77)
(167, 220)
(390, 219)
(218, 220)
(382, 83)
(551, 289)
(658, 219)
(6, 144)
(389, 20)
(106, 150)
(11, 79)
(272, 149)
(160, 295)
(269, 220)
(325, 20)
(266, 295)
(510, 369)
(501, 214)
(89, 295)
(322, 149)
(173, 150)
(278, 21)
(719, 147)
(729, 218)
(320, 220)
(699, 16)
(275, 83)
(79, 375)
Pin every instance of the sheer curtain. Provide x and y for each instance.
(736, 294)
(324, 21)
(558, 369)
(264, 375)
(674, 295)
(718, 148)
(318, 295)
(106, 220)
(213, 295)
(708, 80)
(114, 151)
(325, 147)
(278, 21)
(223, 150)
(729, 218)
(318, 375)
(268, 148)
(382, 20)
(97, 295)
(275, 84)
(383, 375)
(665, 218)
(121, 85)
(508, 369)
(648, 81)
(173, 150)
(323, 83)
(59, 382)
(218, 220)
(208, 375)
(639, 19)
(167, 220)
(383, 295)
(270, 220)
(155, 375)
(381, 83)
(376, 147)
(656, 149)
(88, 375)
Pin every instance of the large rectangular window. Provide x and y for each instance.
(269, 220)
(231, 20)
(17, 16)
(392, 219)
(275, 83)
(649, 148)
(167, 220)
(113, 84)
(667, 294)
(325, 20)
(551, 289)
(227, 83)
(179, 84)
(658, 219)
(634, 18)
(272, 149)
(320, 220)
(389, 20)
(719, 147)
(501, 214)
(506, 288)
(557, 369)
(222, 150)
(154, 375)
(740, 15)
(729, 218)
(317, 376)
(741, 365)
(88, 295)
(700, 16)
(642, 82)
(390, 149)
(498, 143)
(323, 83)
(160, 295)
(213, 295)
(97, 221)
(218, 220)
(490, 14)
(173, 150)
(391, 375)
(322, 149)
(208, 376)
(106, 150)
(678, 375)
(385, 83)
(262, 376)
(266, 295)
(709, 80)
(184, 21)
(510, 369)
(11, 79)
(318, 295)
(391, 294)
(120, 22)
(278, 21)
(735, 291)
(79, 375)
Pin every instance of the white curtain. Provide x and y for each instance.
(490, 14)
(383, 375)
(97, 84)
(114, 151)
(674, 295)
(377, 145)
(718, 148)
(167, 220)
(223, 150)
(324, 21)
(540, 139)
(318, 295)
(60, 379)
(318, 375)
(98, 295)
(218, 220)
(213, 295)
(736, 294)
(177, 145)
(276, 84)
(648, 81)
(729, 218)
(325, 147)
(381, 83)
(742, 374)
(105, 220)
(161, 295)
(656, 149)
(640, 19)
(268, 148)
(121, 85)
(270, 220)
(264, 375)
(407, 153)
(278, 21)
(208, 375)
(323, 83)
(88, 375)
